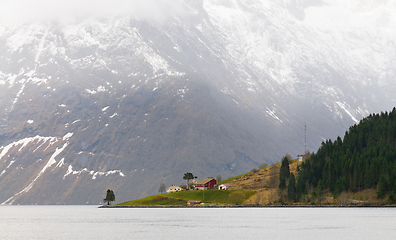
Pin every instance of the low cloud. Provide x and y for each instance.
(22, 11)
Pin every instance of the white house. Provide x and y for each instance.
(224, 186)
(173, 188)
(300, 157)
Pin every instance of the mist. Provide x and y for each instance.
(41, 11)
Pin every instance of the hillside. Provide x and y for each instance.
(258, 187)
(364, 159)
(359, 169)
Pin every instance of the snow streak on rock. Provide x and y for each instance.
(49, 163)
(24, 142)
(91, 172)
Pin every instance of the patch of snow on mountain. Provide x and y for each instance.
(252, 40)
(98, 90)
(50, 162)
(181, 92)
(39, 81)
(9, 165)
(67, 136)
(20, 37)
(7, 78)
(18, 94)
(24, 142)
(344, 107)
(41, 46)
(60, 163)
(93, 173)
(115, 114)
(272, 113)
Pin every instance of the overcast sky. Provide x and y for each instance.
(58, 10)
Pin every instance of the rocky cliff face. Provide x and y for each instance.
(128, 103)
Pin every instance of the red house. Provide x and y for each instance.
(193, 202)
(207, 183)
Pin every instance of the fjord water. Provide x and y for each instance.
(90, 222)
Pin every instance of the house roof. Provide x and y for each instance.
(205, 180)
(226, 184)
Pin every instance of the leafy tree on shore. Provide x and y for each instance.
(110, 197)
(188, 176)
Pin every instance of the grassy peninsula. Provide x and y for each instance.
(209, 197)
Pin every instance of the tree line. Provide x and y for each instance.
(365, 158)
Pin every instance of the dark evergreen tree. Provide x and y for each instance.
(382, 187)
(284, 169)
(282, 183)
(110, 197)
(291, 188)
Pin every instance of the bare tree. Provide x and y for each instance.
(272, 179)
(272, 197)
(263, 165)
(289, 157)
(162, 188)
(258, 198)
(218, 178)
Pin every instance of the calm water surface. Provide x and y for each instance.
(90, 222)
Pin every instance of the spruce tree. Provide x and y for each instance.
(284, 169)
(282, 183)
(110, 197)
(382, 187)
(291, 188)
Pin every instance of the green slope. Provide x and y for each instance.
(181, 198)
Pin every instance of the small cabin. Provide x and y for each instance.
(300, 157)
(224, 186)
(193, 202)
(173, 188)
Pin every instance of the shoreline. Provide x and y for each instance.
(254, 206)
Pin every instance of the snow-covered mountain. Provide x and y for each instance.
(130, 102)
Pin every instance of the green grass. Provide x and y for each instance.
(156, 200)
(181, 198)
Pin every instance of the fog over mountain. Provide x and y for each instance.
(127, 95)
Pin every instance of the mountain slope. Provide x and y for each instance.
(128, 102)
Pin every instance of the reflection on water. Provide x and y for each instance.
(90, 222)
